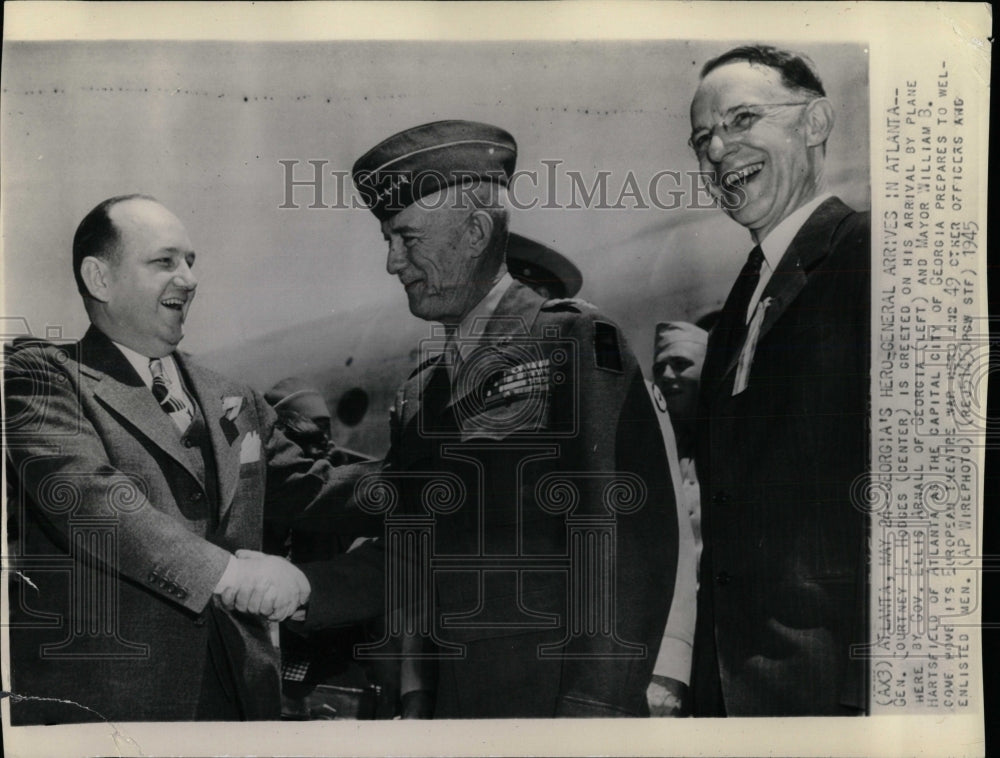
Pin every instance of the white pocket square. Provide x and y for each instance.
(250, 448)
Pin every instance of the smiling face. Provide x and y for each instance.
(431, 252)
(773, 167)
(148, 285)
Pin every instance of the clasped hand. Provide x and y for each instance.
(264, 585)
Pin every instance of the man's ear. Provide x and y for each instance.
(819, 122)
(95, 273)
(480, 231)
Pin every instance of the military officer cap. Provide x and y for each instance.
(423, 160)
(295, 394)
(538, 265)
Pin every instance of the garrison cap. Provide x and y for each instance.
(295, 394)
(536, 264)
(425, 159)
(673, 332)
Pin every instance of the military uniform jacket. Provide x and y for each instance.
(783, 578)
(538, 472)
(121, 528)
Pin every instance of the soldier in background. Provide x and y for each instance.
(679, 352)
(320, 678)
(303, 415)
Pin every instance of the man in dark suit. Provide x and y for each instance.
(141, 482)
(784, 393)
(526, 484)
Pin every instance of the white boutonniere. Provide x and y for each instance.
(231, 407)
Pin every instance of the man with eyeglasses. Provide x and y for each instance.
(784, 393)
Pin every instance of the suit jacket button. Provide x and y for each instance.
(196, 497)
(720, 498)
(188, 443)
(723, 578)
(200, 621)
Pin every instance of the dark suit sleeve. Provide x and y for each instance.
(60, 462)
(311, 501)
(305, 492)
(618, 432)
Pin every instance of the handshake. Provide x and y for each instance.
(264, 585)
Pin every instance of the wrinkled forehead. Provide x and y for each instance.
(426, 212)
(732, 84)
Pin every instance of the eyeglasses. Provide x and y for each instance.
(737, 120)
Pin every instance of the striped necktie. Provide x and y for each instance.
(168, 401)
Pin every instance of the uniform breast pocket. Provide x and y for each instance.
(525, 414)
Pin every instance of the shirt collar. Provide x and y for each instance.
(485, 308)
(141, 364)
(777, 242)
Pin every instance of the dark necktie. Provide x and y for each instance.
(731, 333)
(747, 282)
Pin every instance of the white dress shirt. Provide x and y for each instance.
(140, 363)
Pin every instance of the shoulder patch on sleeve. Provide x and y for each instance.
(607, 351)
(659, 401)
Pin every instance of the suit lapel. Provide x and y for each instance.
(120, 388)
(809, 246)
(208, 394)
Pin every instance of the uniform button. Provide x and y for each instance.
(188, 443)
(196, 497)
(720, 498)
(723, 578)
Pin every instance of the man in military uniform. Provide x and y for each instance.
(526, 449)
